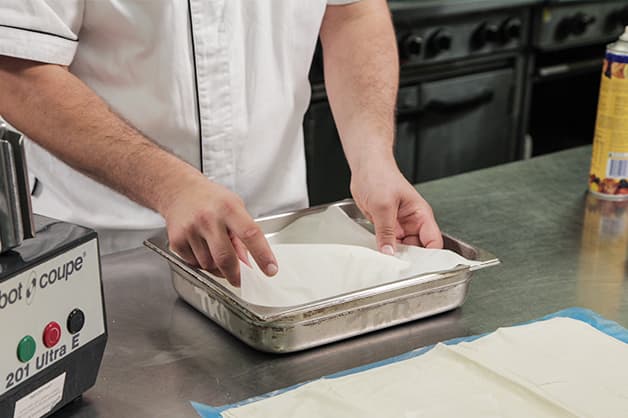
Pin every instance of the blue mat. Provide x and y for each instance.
(602, 324)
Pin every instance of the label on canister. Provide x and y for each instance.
(608, 176)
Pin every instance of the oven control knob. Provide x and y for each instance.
(510, 30)
(439, 42)
(574, 25)
(581, 22)
(483, 35)
(411, 46)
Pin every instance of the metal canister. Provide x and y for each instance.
(608, 177)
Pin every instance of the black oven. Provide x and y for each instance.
(460, 99)
(569, 40)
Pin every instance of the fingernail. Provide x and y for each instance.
(271, 269)
(388, 250)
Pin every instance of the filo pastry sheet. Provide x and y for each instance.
(560, 367)
(328, 254)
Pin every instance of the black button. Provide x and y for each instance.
(76, 320)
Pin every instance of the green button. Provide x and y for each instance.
(26, 349)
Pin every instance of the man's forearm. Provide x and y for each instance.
(361, 77)
(60, 113)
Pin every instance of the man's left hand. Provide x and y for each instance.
(397, 210)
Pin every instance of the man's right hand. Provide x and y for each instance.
(208, 226)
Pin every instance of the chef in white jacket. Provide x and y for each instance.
(142, 112)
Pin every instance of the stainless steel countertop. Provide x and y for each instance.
(161, 354)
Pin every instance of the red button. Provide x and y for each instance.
(52, 334)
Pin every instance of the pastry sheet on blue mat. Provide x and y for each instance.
(604, 325)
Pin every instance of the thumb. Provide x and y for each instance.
(385, 220)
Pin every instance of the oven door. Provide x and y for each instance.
(564, 95)
(456, 125)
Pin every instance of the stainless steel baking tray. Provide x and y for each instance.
(288, 329)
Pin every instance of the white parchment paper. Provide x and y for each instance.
(328, 254)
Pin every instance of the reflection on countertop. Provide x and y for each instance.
(602, 264)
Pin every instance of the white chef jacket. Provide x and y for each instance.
(221, 83)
